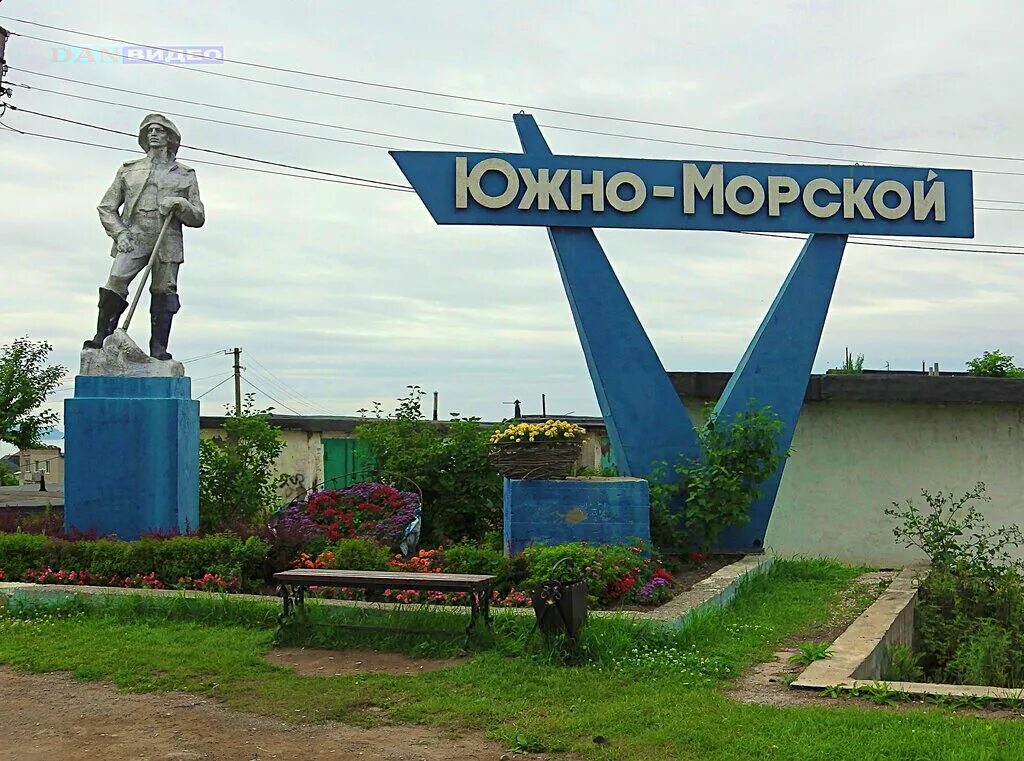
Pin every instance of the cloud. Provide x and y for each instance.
(348, 294)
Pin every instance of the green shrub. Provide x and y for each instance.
(986, 655)
(359, 555)
(995, 364)
(472, 558)
(904, 665)
(603, 566)
(237, 483)
(969, 616)
(714, 492)
(170, 559)
(447, 464)
(19, 552)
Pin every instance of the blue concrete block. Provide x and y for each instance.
(595, 510)
(132, 456)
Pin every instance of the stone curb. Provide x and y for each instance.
(863, 643)
(716, 590)
(859, 654)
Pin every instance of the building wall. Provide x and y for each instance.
(301, 460)
(48, 461)
(851, 460)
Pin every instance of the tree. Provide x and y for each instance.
(237, 483)
(25, 382)
(447, 463)
(7, 477)
(995, 364)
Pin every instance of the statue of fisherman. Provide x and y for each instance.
(145, 192)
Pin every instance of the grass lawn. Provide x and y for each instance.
(654, 694)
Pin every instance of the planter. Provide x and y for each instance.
(538, 460)
(560, 607)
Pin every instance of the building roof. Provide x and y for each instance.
(873, 386)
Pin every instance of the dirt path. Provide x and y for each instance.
(51, 716)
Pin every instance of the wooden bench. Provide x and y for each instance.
(292, 587)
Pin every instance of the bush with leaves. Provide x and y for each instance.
(714, 492)
(446, 462)
(237, 482)
(166, 559)
(25, 382)
(969, 617)
(995, 364)
(7, 477)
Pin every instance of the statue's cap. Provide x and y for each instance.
(167, 124)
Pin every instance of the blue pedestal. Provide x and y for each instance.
(595, 510)
(132, 456)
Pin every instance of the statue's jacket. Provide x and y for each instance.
(117, 208)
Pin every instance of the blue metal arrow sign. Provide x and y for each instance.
(570, 195)
(587, 191)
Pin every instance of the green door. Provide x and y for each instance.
(344, 462)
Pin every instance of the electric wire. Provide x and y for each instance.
(203, 356)
(203, 161)
(271, 398)
(643, 138)
(382, 183)
(283, 385)
(277, 388)
(948, 247)
(486, 101)
(249, 112)
(212, 388)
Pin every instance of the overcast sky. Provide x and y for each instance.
(348, 294)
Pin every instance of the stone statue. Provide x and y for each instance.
(135, 207)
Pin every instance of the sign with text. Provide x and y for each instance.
(589, 191)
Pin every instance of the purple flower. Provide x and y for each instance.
(647, 590)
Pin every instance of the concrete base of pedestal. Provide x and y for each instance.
(595, 510)
(132, 456)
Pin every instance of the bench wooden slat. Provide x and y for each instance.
(323, 577)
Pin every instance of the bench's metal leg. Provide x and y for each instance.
(486, 605)
(473, 613)
(285, 614)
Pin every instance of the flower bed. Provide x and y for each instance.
(617, 576)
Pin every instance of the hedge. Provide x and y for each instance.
(170, 559)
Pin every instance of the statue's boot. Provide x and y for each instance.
(111, 308)
(162, 308)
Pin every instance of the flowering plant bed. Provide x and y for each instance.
(536, 451)
(368, 510)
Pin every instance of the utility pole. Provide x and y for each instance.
(544, 405)
(4, 34)
(238, 382)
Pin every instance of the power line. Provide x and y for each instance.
(486, 101)
(212, 388)
(203, 356)
(201, 161)
(384, 185)
(950, 245)
(642, 138)
(278, 388)
(248, 112)
(437, 142)
(855, 241)
(270, 397)
(241, 157)
(281, 383)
